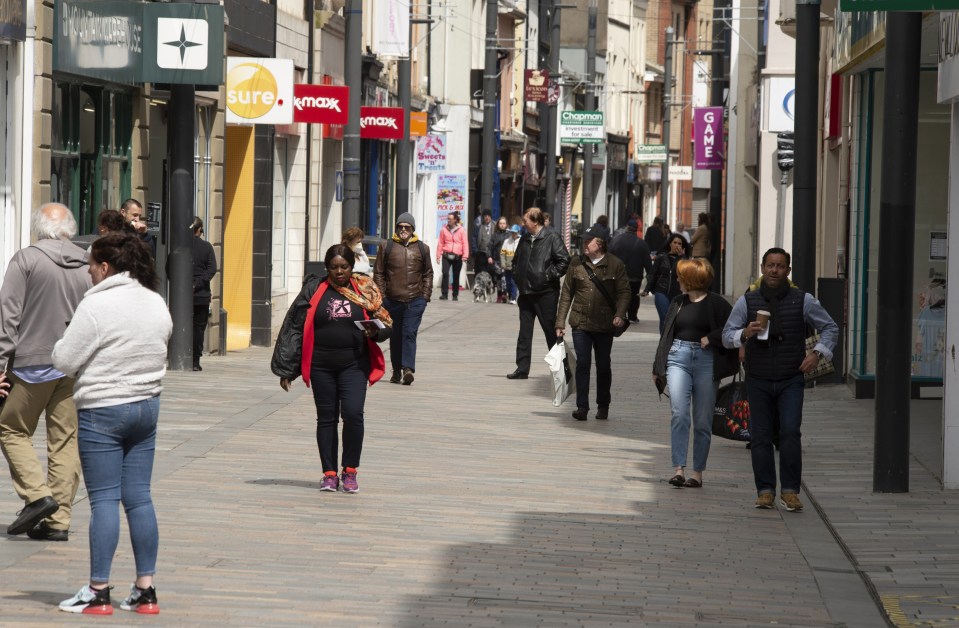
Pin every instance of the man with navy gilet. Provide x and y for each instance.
(776, 363)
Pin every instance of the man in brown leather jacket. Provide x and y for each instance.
(404, 274)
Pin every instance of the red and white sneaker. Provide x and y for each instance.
(143, 601)
(89, 601)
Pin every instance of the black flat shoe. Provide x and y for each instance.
(580, 414)
(693, 483)
(43, 532)
(32, 514)
(678, 481)
(518, 374)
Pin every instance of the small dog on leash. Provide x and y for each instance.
(483, 288)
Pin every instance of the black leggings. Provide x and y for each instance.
(457, 267)
(338, 393)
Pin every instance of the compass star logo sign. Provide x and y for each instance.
(182, 44)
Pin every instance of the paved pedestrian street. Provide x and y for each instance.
(483, 505)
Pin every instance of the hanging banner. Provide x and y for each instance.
(391, 28)
(321, 104)
(708, 138)
(381, 123)
(431, 154)
(579, 127)
(419, 123)
(259, 91)
(537, 85)
(450, 197)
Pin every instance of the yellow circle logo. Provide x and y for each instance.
(251, 91)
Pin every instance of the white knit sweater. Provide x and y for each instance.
(116, 344)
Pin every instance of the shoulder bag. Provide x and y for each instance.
(617, 331)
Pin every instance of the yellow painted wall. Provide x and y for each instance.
(238, 236)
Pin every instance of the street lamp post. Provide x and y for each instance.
(667, 109)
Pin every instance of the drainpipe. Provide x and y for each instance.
(26, 126)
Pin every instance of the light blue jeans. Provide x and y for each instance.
(692, 398)
(117, 444)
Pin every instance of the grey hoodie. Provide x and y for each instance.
(42, 287)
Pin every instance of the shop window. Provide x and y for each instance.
(91, 131)
(203, 165)
(281, 213)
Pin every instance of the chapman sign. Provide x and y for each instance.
(581, 127)
(381, 123)
(321, 104)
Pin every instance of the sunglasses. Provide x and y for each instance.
(404, 228)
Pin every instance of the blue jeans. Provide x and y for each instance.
(116, 453)
(662, 308)
(586, 343)
(406, 324)
(689, 375)
(766, 400)
(335, 393)
(511, 289)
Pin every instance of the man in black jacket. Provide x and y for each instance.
(634, 253)
(655, 236)
(540, 262)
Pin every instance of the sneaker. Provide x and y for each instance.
(44, 532)
(397, 377)
(349, 480)
(330, 482)
(512, 301)
(790, 501)
(89, 601)
(408, 375)
(143, 601)
(765, 501)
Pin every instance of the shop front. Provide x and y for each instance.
(929, 260)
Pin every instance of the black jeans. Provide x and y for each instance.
(200, 315)
(586, 343)
(633, 311)
(457, 267)
(335, 393)
(533, 306)
(480, 263)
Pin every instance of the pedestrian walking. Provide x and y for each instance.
(701, 242)
(452, 249)
(119, 368)
(633, 252)
(663, 281)
(595, 296)
(482, 236)
(655, 237)
(540, 261)
(506, 255)
(493, 265)
(353, 238)
(404, 274)
(204, 269)
(321, 340)
(690, 361)
(43, 284)
(771, 322)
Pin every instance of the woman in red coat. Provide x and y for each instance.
(321, 340)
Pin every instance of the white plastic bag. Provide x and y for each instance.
(562, 366)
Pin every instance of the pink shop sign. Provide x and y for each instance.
(708, 127)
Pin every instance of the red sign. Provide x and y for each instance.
(537, 85)
(323, 104)
(381, 123)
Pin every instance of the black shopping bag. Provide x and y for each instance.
(731, 414)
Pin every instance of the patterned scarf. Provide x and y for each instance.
(368, 297)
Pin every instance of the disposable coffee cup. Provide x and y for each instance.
(763, 317)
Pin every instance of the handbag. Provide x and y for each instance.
(452, 257)
(617, 331)
(731, 411)
(824, 367)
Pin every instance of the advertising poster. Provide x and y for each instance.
(537, 85)
(431, 154)
(450, 197)
(708, 126)
(929, 351)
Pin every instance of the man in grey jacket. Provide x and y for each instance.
(41, 289)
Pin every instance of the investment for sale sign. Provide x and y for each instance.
(581, 127)
(651, 153)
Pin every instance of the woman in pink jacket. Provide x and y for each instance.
(452, 249)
